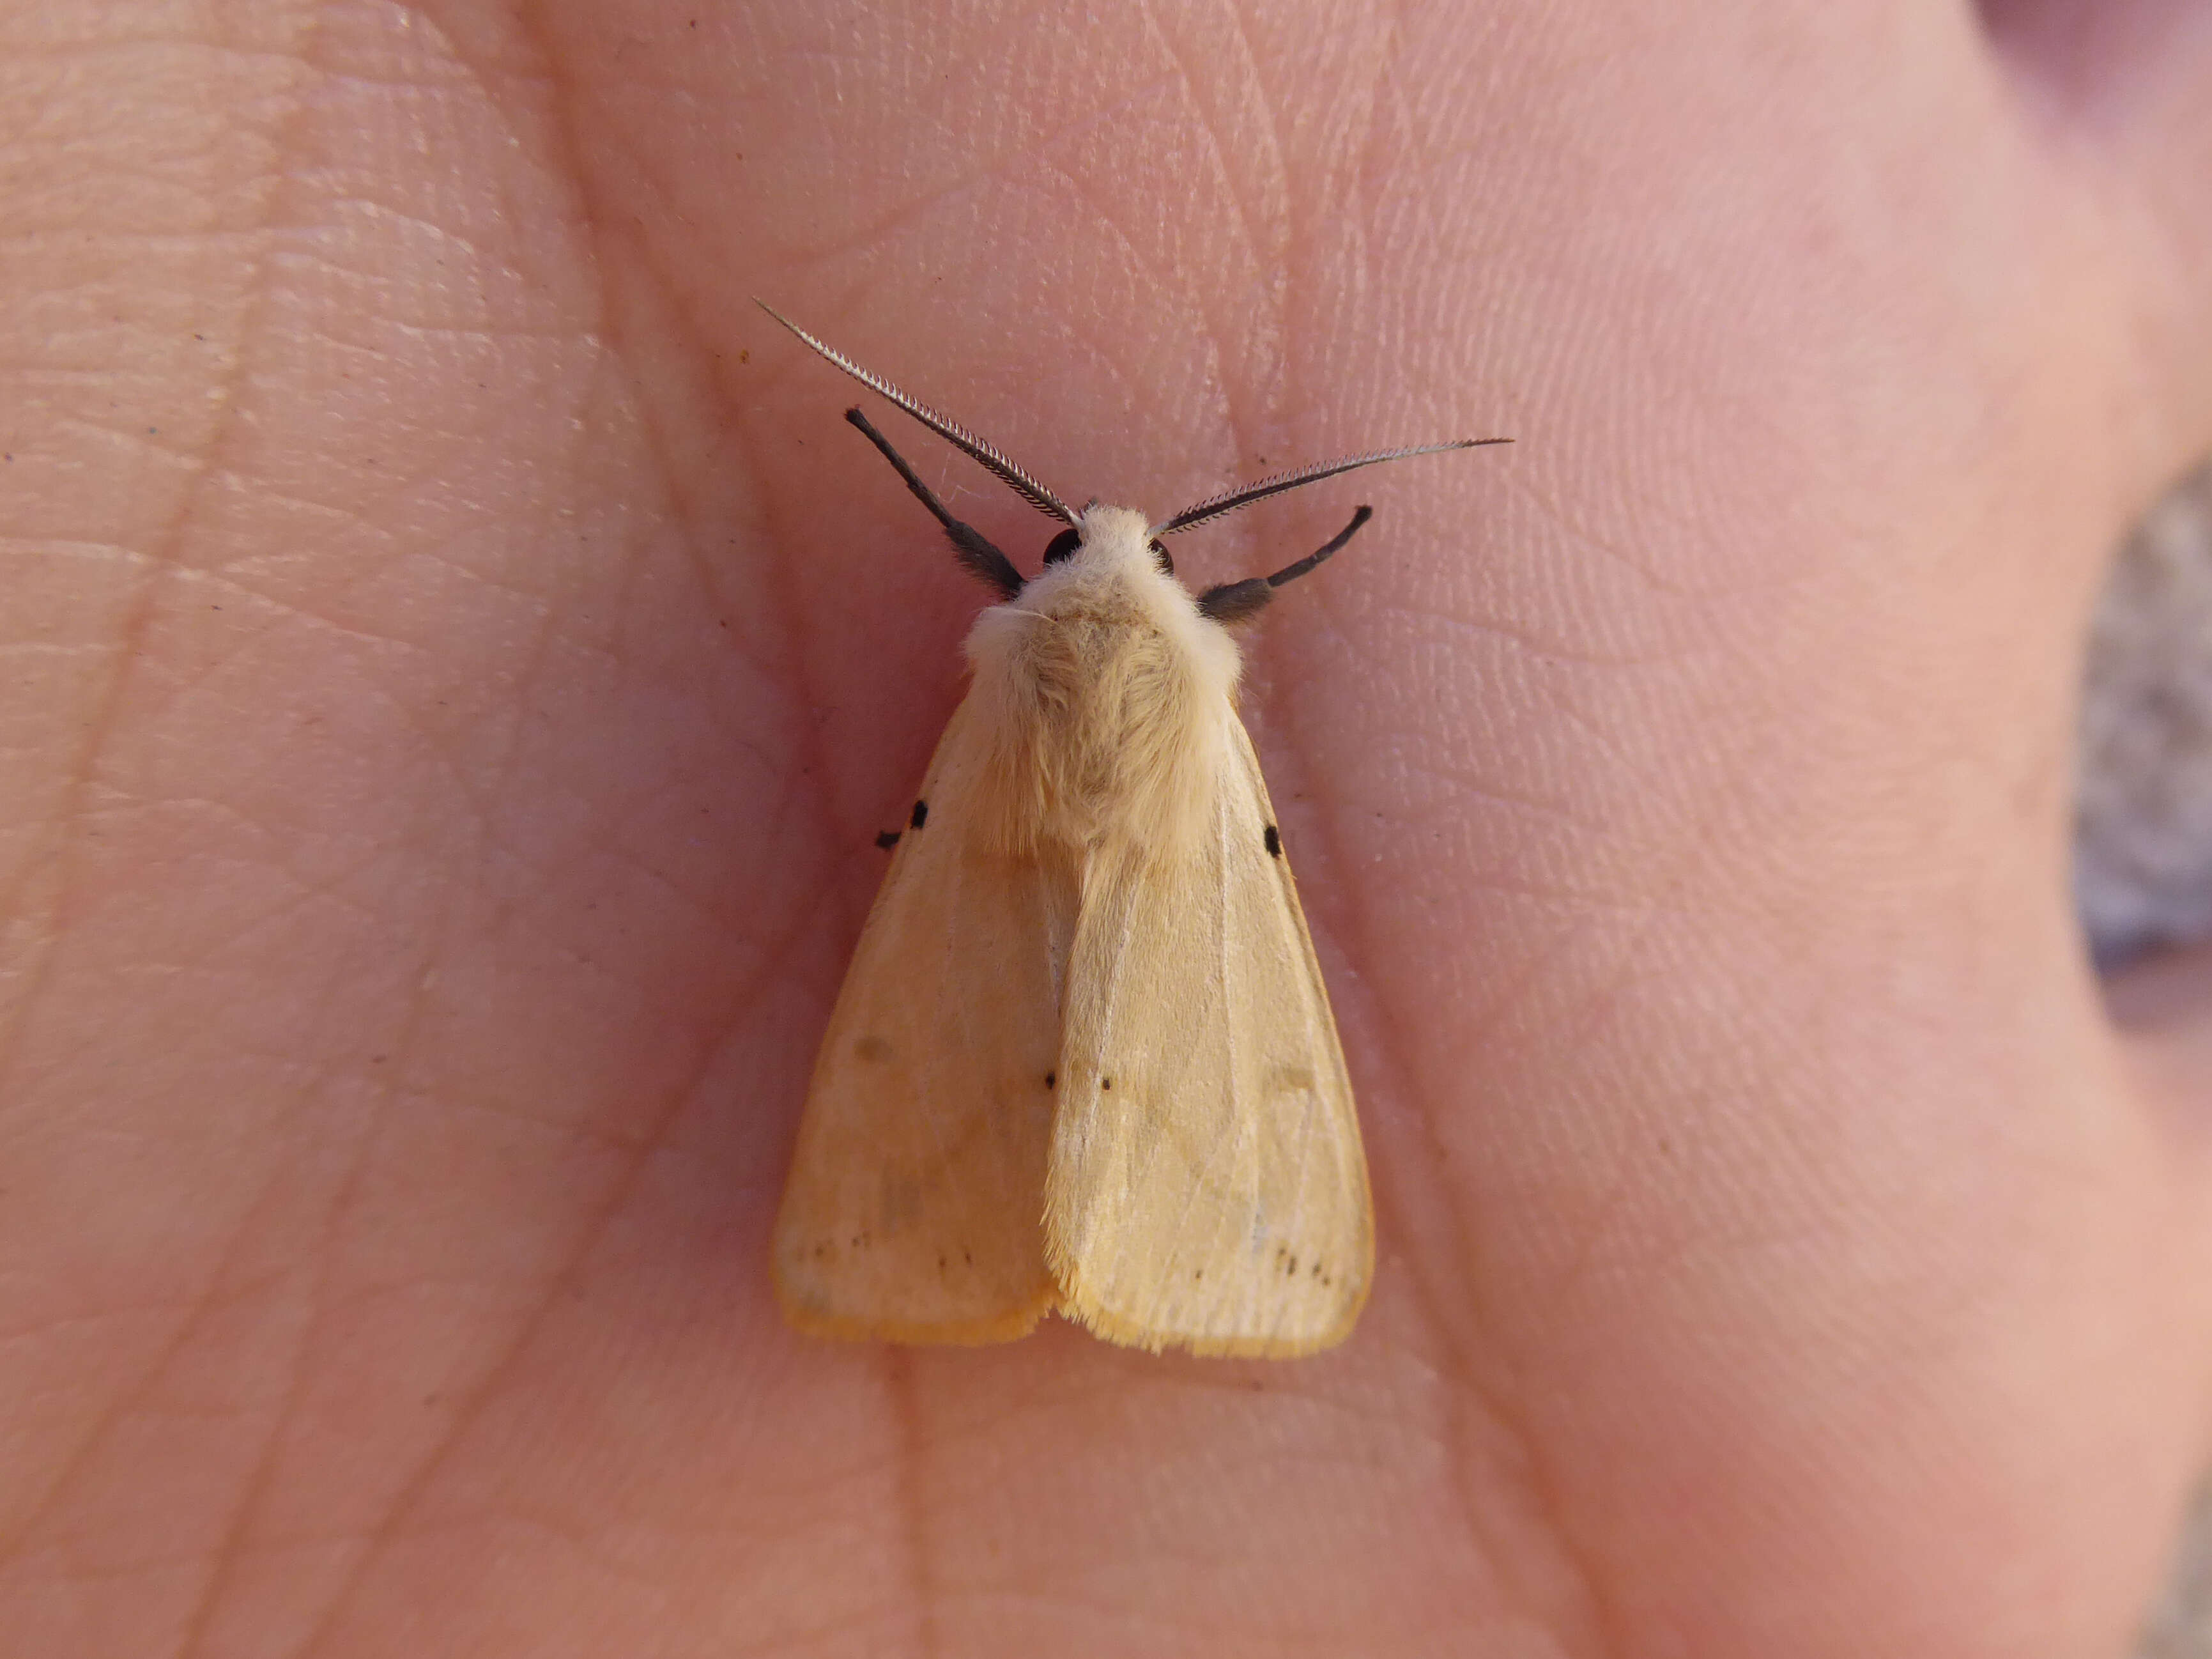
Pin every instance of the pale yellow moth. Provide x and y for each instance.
(1083, 1060)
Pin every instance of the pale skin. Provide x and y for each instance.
(458, 662)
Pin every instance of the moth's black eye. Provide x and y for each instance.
(1160, 558)
(1063, 544)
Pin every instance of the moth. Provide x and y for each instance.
(1083, 1061)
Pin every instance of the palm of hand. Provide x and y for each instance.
(441, 863)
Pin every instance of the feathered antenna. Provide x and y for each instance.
(1244, 495)
(943, 426)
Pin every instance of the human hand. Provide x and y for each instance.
(462, 662)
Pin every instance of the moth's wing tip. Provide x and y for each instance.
(815, 1305)
(827, 1324)
(1126, 1332)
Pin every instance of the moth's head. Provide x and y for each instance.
(1101, 542)
(1108, 567)
(1110, 539)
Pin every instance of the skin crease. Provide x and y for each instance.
(458, 662)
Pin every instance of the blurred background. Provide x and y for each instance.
(2142, 837)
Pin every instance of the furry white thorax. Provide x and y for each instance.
(1104, 692)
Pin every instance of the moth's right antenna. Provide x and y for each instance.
(946, 428)
(1236, 602)
(1244, 495)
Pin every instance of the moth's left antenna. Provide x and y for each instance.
(943, 426)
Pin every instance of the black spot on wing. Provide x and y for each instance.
(919, 815)
(1274, 840)
(887, 839)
